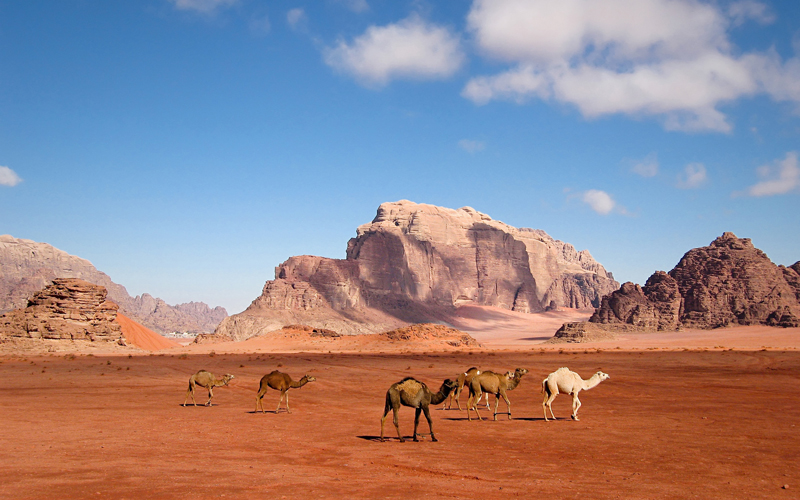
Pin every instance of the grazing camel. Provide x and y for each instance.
(464, 380)
(280, 382)
(413, 393)
(568, 382)
(493, 383)
(207, 380)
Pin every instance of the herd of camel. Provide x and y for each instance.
(415, 394)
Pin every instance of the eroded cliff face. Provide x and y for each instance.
(416, 263)
(27, 266)
(728, 282)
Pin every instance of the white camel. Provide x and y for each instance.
(568, 382)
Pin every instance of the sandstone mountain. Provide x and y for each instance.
(68, 309)
(417, 263)
(27, 266)
(728, 282)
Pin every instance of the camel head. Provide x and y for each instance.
(602, 376)
(449, 385)
(520, 371)
(309, 378)
(227, 378)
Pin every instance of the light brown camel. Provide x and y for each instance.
(496, 384)
(413, 393)
(464, 379)
(568, 382)
(207, 380)
(280, 382)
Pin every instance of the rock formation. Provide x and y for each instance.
(416, 263)
(728, 282)
(68, 309)
(27, 266)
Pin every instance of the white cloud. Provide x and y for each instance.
(8, 177)
(670, 59)
(411, 49)
(599, 201)
(647, 167)
(203, 6)
(296, 18)
(693, 176)
(744, 10)
(780, 178)
(471, 146)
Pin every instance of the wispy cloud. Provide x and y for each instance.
(670, 59)
(296, 18)
(599, 201)
(8, 177)
(202, 6)
(646, 167)
(693, 176)
(471, 146)
(782, 177)
(410, 49)
(356, 6)
(744, 10)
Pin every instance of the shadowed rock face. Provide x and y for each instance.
(70, 309)
(27, 266)
(727, 282)
(415, 263)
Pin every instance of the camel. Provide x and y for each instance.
(280, 382)
(207, 380)
(413, 393)
(464, 380)
(493, 383)
(568, 382)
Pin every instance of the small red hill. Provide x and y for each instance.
(142, 337)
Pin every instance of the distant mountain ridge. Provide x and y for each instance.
(416, 263)
(27, 266)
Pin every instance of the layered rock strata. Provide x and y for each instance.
(417, 263)
(27, 266)
(729, 282)
(68, 309)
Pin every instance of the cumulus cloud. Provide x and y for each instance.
(782, 177)
(693, 176)
(471, 146)
(666, 58)
(647, 167)
(411, 49)
(599, 201)
(296, 18)
(203, 6)
(744, 10)
(8, 177)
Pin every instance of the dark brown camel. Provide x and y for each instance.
(207, 380)
(280, 382)
(413, 393)
(496, 384)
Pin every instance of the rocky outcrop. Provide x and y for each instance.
(27, 266)
(583, 331)
(429, 331)
(728, 282)
(68, 309)
(416, 263)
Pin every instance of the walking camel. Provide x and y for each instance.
(280, 382)
(206, 380)
(493, 383)
(413, 393)
(464, 380)
(568, 382)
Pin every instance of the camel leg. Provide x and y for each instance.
(287, 403)
(279, 402)
(260, 399)
(430, 423)
(386, 409)
(396, 410)
(508, 406)
(496, 405)
(210, 395)
(576, 403)
(458, 397)
(549, 404)
(416, 422)
(189, 392)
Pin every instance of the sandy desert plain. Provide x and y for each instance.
(689, 414)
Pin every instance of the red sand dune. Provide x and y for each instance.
(141, 337)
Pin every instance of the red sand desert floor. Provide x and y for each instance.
(668, 424)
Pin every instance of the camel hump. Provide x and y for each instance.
(410, 385)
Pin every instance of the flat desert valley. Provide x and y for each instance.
(688, 414)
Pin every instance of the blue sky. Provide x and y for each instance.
(187, 147)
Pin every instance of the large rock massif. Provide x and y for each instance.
(68, 309)
(27, 266)
(729, 282)
(416, 263)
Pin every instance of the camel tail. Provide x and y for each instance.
(388, 405)
(544, 386)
